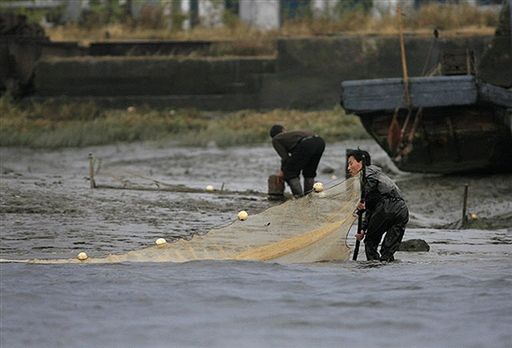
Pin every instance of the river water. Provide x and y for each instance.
(456, 295)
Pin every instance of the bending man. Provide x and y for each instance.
(385, 209)
(300, 151)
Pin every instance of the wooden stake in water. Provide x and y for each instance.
(464, 206)
(91, 171)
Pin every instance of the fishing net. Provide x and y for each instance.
(310, 229)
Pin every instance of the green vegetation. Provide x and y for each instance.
(53, 124)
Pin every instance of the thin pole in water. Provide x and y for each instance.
(464, 206)
(91, 171)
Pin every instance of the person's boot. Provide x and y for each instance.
(296, 187)
(308, 185)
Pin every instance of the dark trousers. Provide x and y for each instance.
(390, 217)
(305, 157)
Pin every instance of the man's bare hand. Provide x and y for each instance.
(360, 235)
(361, 206)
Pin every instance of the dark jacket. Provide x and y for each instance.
(378, 187)
(285, 142)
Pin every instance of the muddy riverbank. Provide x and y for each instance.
(49, 211)
(457, 294)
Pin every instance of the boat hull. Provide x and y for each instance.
(450, 140)
(449, 124)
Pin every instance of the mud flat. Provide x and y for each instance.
(49, 211)
(457, 294)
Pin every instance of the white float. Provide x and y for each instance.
(82, 256)
(160, 241)
(318, 187)
(242, 215)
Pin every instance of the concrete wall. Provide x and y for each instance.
(306, 73)
(151, 76)
(310, 71)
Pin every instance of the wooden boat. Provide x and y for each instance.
(451, 123)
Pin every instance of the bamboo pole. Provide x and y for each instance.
(403, 57)
(405, 73)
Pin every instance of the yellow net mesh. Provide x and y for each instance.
(310, 229)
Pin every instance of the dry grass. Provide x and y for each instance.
(238, 40)
(450, 19)
(60, 124)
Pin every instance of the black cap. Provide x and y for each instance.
(275, 130)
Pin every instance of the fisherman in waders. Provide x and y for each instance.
(384, 208)
(300, 151)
